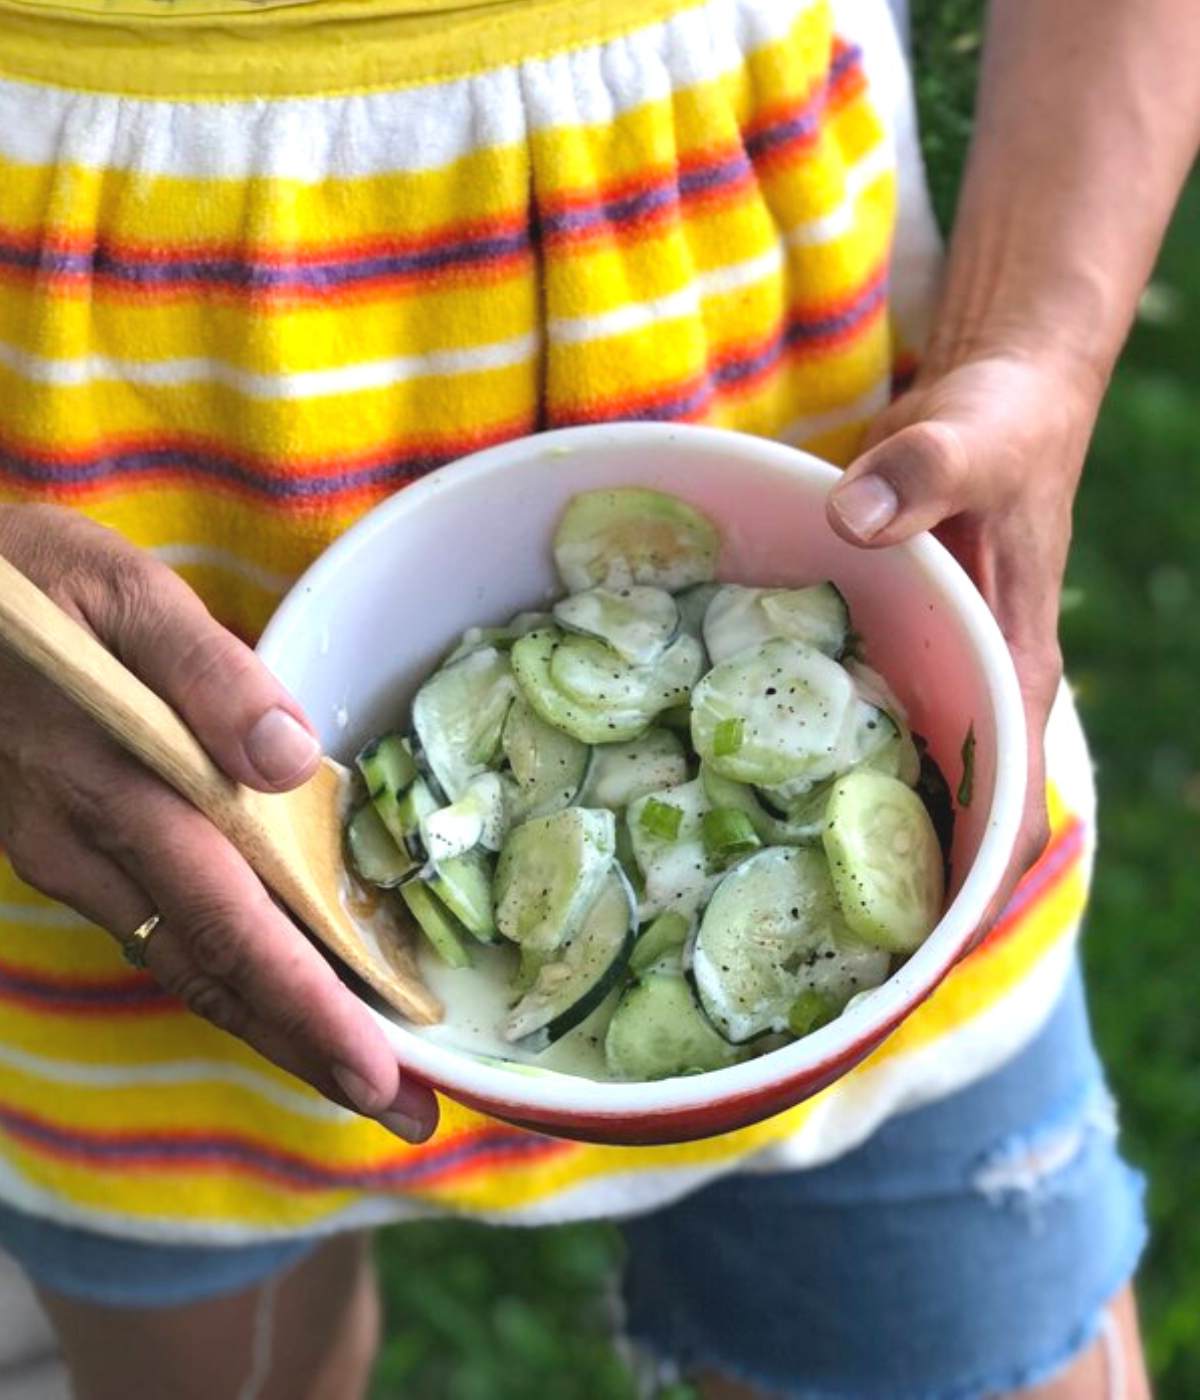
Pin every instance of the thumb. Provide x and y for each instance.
(161, 630)
(907, 483)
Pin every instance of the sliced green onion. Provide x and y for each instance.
(728, 833)
(728, 737)
(661, 819)
(810, 1010)
(667, 934)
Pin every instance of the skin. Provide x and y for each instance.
(88, 825)
(1088, 121)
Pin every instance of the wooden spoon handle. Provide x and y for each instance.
(260, 825)
(70, 658)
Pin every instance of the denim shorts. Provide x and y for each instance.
(966, 1250)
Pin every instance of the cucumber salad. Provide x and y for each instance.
(685, 813)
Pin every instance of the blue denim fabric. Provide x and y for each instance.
(966, 1250)
(123, 1273)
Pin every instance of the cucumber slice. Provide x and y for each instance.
(873, 688)
(900, 756)
(411, 810)
(885, 859)
(634, 535)
(658, 1031)
(693, 605)
(772, 930)
(638, 623)
(773, 713)
(374, 855)
(389, 771)
(501, 638)
(478, 818)
(870, 739)
(627, 860)
(675, 870)
(739, 617)
(816, 615)
(440, 927)
(772, 830)
(532, 658)
(660, 944)
(548, 874)
(387, 765)
(621, 773)
(549, 768)
(568, 989)
(592, 674)
(459, 714)
(464, 886)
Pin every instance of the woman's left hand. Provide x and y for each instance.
(987, 454)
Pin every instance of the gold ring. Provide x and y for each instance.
(134, 947)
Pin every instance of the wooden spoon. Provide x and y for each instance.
(292, 839)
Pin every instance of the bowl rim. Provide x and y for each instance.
(531, 1089)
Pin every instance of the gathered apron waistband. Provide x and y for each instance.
(226, 49)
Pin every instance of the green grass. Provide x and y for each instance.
(485, 1314)
(1133, 649)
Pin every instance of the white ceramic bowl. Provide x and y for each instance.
(470, 544)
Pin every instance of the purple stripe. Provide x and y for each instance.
(849, 57)
(609, 211)
(131, 994)
(130, 1152)
(216, 468)
(706, 178)
(261, 277)
(797, 332)
(804, 122)
(782, 133)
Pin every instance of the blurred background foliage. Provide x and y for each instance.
(476, 1313)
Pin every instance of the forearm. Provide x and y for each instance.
(1088, 119)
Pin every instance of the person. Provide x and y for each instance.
(263, 262)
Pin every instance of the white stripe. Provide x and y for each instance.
(417, 128)
(172, 1072)
(916, 249)
(283, 384)
(635, 316)
(842, 219)
(860, 410)
(181, 556)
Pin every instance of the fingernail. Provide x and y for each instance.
(412, 1113)
(280, 747)
(356, 1089)
(410, 1129)
(866, 505)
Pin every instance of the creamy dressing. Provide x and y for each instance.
(476, 999)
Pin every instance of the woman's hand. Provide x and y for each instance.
(987, 454)
(85, 823)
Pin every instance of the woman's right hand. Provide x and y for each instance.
(88, 825)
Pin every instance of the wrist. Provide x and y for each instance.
(1076, 374)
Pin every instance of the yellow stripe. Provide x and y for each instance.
(331, 47)
(275, 213)
(371, 325)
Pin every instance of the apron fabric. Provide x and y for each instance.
(261, 265)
